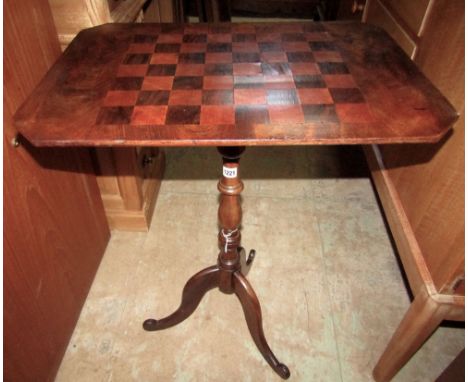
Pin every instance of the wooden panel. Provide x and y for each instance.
(70, 17)
(128, 177)
(129, 181)
(379, 15)
(55, 230)
(432, 191)
(412, 12)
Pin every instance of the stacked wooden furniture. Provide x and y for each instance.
(422, 187)
(129, 179)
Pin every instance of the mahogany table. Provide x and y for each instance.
(231, 86)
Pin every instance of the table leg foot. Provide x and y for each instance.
(253, 316)
(246, 262)
(192, 294)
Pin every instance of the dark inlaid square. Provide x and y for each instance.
(114, 115)
(127, 83)
(187, 82)
(244, 37)
(252, 114)
(322, 45)
(153, 97)
(327, 56)
(309, 81)
(245, 47)
(292, 37)
(172, 28)
(276, 69)
(136, 59)
(143, 38)
(248, 82)
(162, 70)
(346, 95)
(240, 57)
(270, 47)
(333, 68)
(219, 47)
(192, 58)
(167, 48)
(218, 69)
(340, 81)
(196, 28)
(193, 47)
(319, 113)
(195, 38)
(218, 97)
(300, 56)
(183, 115)
(282, 97)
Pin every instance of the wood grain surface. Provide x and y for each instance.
(55, 230)
(234, 84)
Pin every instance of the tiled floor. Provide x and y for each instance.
(325, 273)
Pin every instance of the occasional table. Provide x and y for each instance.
(233, 85)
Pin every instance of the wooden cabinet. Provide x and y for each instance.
(422, 186)
(129, 179)
(55, 231)
(72, 16)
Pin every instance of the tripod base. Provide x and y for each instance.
(209, 278)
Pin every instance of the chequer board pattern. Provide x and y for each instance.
(234, 74)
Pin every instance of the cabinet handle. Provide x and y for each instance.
(15, 142)
(357, 6)
(147, 160)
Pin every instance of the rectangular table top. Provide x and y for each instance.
(233, 84)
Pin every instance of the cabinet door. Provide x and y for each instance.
(429, 179)
(55, 231)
